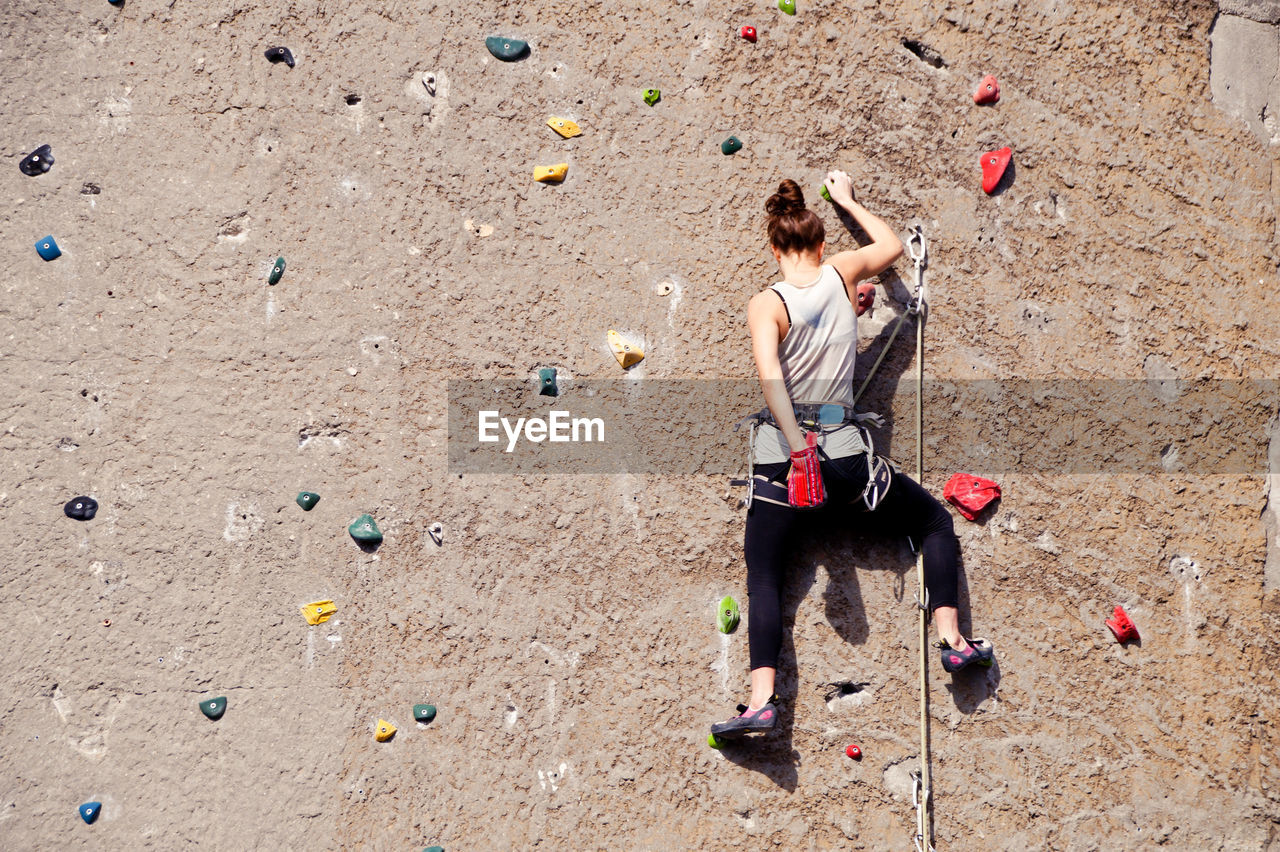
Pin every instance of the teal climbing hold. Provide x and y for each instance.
(365, 529)
(307, 500)
(788, 6)
(424, 712)
(507, 49)
(728, 616)
(48, 248)
(434, 849)
(214, 707)
(89, 811)
(652, 96)
(547, 382)
(730, 145)
(276, 271)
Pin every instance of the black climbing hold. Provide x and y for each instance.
(37, 162)
(280, 54)
(308, 500)
(507, 49)
(424, 712)
(925, 53)
(90, 189)
(547, 382)
(89, 811)
(81, 508)
(214, 707)
(276, 271)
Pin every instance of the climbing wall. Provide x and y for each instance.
(565, 625)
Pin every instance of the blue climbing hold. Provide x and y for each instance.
(48, 248)
(89, 811)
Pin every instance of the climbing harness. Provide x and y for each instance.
(922, 791)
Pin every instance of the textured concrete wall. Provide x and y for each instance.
(565, 627)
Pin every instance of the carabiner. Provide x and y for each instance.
(916, 235)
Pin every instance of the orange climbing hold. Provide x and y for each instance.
(993, 165)
(970, 494)
(988, 91)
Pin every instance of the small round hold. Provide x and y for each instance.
(37, 162)
(854, 752)
(81, 508)
(279, 54)
(665, 288)
(715, 742)
(106, 622)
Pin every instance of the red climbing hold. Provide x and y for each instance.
(866, 297)
(1122, 626)
(749, 33)
(988, 91)
(993, 165)
(854, 752)
(970, 494)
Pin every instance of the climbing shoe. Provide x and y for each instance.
(749, 721)
(980, 652)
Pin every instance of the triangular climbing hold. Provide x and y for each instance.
(993, 165)
(318, 612)
(384, 731)
(424, 712)
(627, 353)
(551, 174)
(988, 91)
(307, 500)
(89, 811)
(365, 528)
(564, 126)
(214, 707)
(48, 248)
(728, 615)
(506, 49)
(970, 494)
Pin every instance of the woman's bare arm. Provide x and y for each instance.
(870, 260)
(765, 318)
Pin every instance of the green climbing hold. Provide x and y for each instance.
(507, 49)
(730, 145)
(308, 500)
(788, 6)
(652, 96)
(365, 529)
(728, 615)
(547, 382)
(276, 271)
(823, 192)
(715, 742)
(424, 712)
(214, 707)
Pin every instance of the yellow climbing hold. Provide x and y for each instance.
(564, 126)
(551, 174)
(627, 353)
(318, 612)
(384, 732)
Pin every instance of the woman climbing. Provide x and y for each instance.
(809, 453)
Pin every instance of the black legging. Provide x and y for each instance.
(908, 509)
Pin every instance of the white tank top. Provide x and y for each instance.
(817, 357)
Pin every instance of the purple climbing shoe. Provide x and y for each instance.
(748, 721)
(980, 652)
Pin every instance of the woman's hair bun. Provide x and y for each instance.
(787, 200)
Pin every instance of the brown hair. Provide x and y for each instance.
(792, 226)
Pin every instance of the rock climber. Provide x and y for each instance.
(809, 453)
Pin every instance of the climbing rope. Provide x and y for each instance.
(915, 308)
(922, 790)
